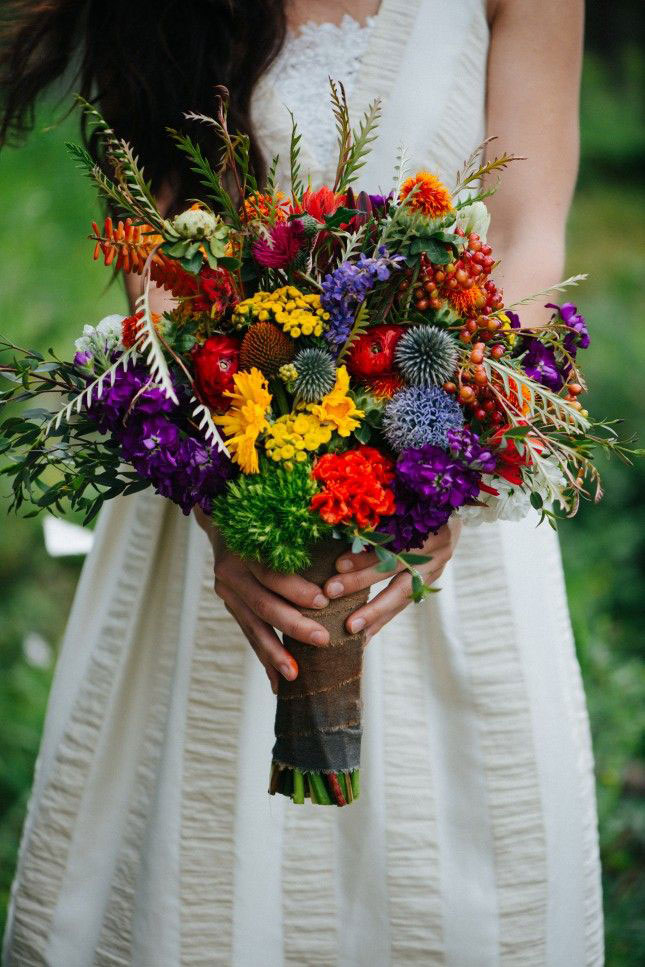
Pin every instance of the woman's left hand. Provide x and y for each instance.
(358, 571)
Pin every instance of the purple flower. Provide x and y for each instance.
(381, 201)
(286, 240)
(540, 364)
(346, 287)
(421, 414)
(429, 485)
(83, 358)
(112, 406)
(465, 445)
(578, 338)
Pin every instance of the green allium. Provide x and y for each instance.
(265, 517)
(316, 374)
(427, 356)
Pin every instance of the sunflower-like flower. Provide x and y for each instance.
(431, 197)
(246, 419)
(337, 407)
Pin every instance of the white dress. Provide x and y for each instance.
(151, 840)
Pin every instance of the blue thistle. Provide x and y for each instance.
(316, 374)
(419, 415)
(426, 356)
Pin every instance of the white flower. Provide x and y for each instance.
(102, 339)
(474, 218)
(513, 503)
(195, 223)
(549, 481)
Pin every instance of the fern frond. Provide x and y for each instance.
(208, 177)
(361, 324)
(294, 160)
(95, 388)
(205, 423)
(543, 404)
(472, 162)
(271, 176)
(475, 171)
(362, 138)
(149, 344)
(559, 287)
(343, 127)
(400, 169)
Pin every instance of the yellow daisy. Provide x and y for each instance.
(246, 418)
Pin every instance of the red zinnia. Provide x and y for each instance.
(354, 487)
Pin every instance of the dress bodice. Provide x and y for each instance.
(424, 59)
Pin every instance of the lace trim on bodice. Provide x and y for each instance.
(300, 76)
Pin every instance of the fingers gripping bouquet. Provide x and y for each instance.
(338, 368)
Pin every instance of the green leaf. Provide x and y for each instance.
(536, 501)
(339, 216)
(410, 558)
(517, 433)
(387, 560)
(435, 251)
(357, 546)
(363, 433)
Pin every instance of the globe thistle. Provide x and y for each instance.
(267, 348)
(316, 374)
(419, 415)
(426, 356)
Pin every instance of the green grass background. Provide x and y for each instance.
(49, 287)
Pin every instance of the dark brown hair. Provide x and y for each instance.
(144, 64)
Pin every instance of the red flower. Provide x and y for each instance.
(216, 292)
(355, 487)
(286, 241)
(510, 460)
(373, 352)
(320, 203)
(214, 364)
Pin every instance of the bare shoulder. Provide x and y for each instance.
(549, 15)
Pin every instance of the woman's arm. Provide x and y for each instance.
(532, 108)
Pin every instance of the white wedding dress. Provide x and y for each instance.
(151, 840)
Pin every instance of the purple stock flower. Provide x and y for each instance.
(465, 445)
(540, 364)
(429, 485)
(110, 408)
(346, 287)
(83, 358)
(578, 338)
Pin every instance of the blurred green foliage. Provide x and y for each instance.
(48, 290)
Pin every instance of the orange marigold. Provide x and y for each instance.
(431, 196)
(266, 206)
(467, 302)
(355, 487)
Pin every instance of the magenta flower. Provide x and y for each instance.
(286, 240)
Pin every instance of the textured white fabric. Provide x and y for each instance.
(150, 839)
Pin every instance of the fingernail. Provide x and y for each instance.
(356, 625)
(345, 565)
(289, 669)
(334, 589)
(320, 601)
(319, 637)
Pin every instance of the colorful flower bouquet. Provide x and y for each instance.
(337, 368)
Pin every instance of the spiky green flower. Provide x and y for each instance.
(427, 356)
(265, 517)
(316, 374)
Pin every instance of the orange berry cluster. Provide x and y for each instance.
(470, 271)
(473, 389)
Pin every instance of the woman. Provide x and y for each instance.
(150, 838)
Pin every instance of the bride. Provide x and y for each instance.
(150, 839)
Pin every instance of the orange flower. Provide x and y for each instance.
(431, 196)
(355, 487)
(131, 328)
(266, 206)
(467, 302)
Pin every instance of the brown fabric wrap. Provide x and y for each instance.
(318, 716)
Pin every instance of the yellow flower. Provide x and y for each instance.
(507, 328)
(297, 313)
(337, 407)
(291, 436)
(246, 418)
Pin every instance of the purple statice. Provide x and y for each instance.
(421, 414)
(429, 485)
(344, 289)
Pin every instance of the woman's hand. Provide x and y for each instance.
(358, 571)
(261, 601)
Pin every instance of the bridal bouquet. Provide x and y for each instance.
(337, 368)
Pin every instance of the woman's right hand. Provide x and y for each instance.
(261, 600)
